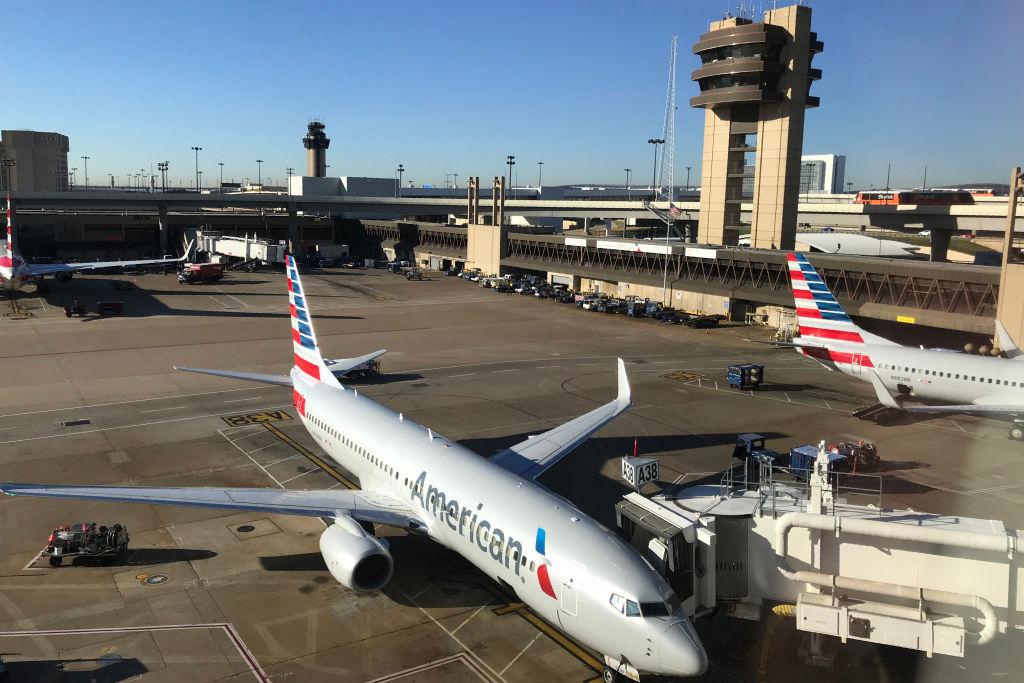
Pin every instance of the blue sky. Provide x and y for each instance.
(458, 86)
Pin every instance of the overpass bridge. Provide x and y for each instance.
(944, 295)
(987, 215)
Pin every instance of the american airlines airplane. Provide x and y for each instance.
(949, 382)
(15, 272)
(575, 573)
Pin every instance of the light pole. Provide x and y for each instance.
(290, 171)
(111, 180)
(199, 180)
(162, 166)
(197, 150)
(221, 164)
(511, 161)
(259, 173)
(540, 174)
(654, 173)
(687, 178)
(398, 188)
(456, 181)
(86, 160)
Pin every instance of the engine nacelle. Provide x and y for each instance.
(356, 559)
(63, 277)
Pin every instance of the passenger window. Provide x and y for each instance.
(990, 380)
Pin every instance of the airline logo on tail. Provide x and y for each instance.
(307, 356)
(7, 259)
(817, 311)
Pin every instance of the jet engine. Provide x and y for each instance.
(355, 558)
(62, 277)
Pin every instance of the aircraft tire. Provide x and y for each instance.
(610, 676)
(1017, 433)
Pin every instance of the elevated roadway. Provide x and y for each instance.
(985, 215)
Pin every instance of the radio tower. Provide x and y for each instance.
(666, 175)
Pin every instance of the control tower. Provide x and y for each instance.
(316, 143)
(754, 84)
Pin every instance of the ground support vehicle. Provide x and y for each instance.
(745, 376)
(110, 307)
(76, 307)
(86, 539)
(195, 273)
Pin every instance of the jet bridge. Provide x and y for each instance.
(825, 547)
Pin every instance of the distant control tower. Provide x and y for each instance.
(316, 142)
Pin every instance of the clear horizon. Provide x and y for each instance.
(579, 86)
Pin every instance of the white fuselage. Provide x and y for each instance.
(491, 517)
(943, 376)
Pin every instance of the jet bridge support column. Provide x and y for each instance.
(940, 244)
(162, 227)
(293, 229)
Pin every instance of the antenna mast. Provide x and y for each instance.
(666, 176)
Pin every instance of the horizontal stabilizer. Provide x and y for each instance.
(279, 380)
(342, 366)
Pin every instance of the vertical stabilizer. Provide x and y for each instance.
(308, 360)
(818, 314)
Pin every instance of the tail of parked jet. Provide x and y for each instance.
(309, 367)
(7, 259)
(309, 364)
(820, 317)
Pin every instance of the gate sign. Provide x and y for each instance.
(639, 471)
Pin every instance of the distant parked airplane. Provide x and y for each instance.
(953, 382)
(15, 272)
(573, 572)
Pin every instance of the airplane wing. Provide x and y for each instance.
(341, 366)
(530, 458)
(363, 506)
(886, 399)
(279, 380)
(790, 345)
(39, 269)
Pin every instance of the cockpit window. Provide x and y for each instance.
(627, 607)
(654, 609)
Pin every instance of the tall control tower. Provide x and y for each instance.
(316, 143)
(754, 84)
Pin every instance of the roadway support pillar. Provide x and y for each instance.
(293, 229)
(162, 227)
(940, 244)
(473, 212)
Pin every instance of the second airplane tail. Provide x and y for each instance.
(818, 314)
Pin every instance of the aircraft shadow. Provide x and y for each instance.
(385, 378)
(138, 557)
(109, 669)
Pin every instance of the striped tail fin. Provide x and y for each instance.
(308, 361)
(818, 314)
(7, 258)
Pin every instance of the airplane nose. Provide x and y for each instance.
(682, 653)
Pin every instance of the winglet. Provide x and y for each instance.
(1006, 344)
(884, 397)
(624, 398)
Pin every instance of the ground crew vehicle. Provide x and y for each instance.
(86, 539)
(414, 274)
(753, 446)
(76, 307)
(745, 376)
(195, 273)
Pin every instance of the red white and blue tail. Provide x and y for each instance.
(7, 258)
(818, 314)
(309, 364)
